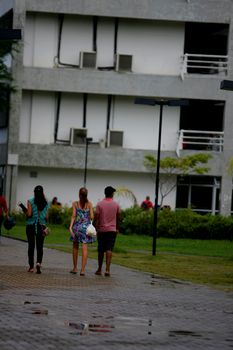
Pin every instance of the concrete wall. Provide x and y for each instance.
(176, 10)
(65, 185)
(114, 83)
(139, 123)
(156, 47)
(40, 40)
(37, 118)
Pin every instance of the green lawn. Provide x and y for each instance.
(207, 262)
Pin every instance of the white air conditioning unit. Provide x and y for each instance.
(124, 63)
(78, 136)
(87, 59)
(115, 138)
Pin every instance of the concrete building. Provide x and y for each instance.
(78, 70)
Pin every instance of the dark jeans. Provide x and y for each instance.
(34, 238)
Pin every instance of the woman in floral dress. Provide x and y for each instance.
(82, 215)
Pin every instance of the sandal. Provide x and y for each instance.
(38, 270)
(31, 269)
(98, 273)
(73, 272)
(107, 274)
(82, 274)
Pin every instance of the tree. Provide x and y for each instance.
(126, 193)
(183, 166)
(7, 48)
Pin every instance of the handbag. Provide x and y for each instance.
(45, 230)
(91, 231)
(9, 223)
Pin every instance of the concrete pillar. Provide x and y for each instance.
(226, 194)
(11, 185)
(226, 185)
(15, 103)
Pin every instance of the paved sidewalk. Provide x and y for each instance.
(129, 310)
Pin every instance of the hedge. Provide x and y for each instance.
(177, 224)
(172, 224)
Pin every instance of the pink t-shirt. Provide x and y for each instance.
(107, 211)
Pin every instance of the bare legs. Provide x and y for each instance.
(101, 260)
(84, 258)
(75, 257)
(100, 263)
(108, 261)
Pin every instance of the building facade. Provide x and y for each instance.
(80, 66)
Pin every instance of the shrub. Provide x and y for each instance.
(174, 224)
(136, 220)
(177, 224)
(67, 212)
(19, 216)
(55, 215)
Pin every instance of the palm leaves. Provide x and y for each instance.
(126, 193)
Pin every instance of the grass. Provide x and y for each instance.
(208, 262)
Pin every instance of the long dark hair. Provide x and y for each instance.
(39, 198)
(83, 196)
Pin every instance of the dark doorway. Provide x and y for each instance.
(200, 193)
(206, 38)
(202, 115)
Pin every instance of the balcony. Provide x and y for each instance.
(204, 64)
(200, 140)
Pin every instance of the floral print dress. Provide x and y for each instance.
(80, 226)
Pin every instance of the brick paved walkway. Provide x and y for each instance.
(130, 310)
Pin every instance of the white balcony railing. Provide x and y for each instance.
(200, 140)
(203, 64)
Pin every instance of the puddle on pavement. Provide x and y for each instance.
(84, 328)
(156, 278)
(36, 311)
(152, 280)
(40, 312)
(31, 302)
(106, 318)
(176, 333)
(150, 325)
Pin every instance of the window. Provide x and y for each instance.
(200, 193)
(4, 109)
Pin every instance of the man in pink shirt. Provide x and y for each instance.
(107, 218)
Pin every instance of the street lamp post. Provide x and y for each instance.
(160, 102)
(157, 179)
(88, 140)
